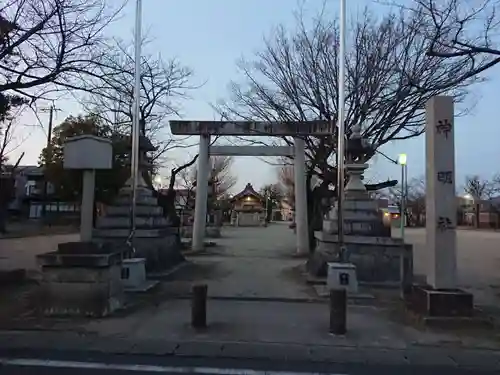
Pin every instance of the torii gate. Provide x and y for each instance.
(205, 129)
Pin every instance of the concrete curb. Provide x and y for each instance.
(18, 343)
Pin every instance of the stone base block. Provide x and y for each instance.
(373, 227)
(378, 261)
(210, 232)
(431, 302)
(81, 291)
(161, 253)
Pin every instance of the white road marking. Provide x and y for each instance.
(32, 362)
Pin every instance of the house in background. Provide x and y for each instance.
(28, 197)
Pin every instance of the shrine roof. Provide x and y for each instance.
(247, 191)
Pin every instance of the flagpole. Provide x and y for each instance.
(341, 126)
(135, 117)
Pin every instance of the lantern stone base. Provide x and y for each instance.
(210, 232)
(380, 261)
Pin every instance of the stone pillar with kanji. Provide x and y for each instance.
(441, 196)
(441, 297)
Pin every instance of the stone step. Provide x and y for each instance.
(141, 201)
(103, 234)
(124, 222)
(353, 227)
(140, 210)
(143, 192)
(365, 204)
(385, 241)
(357, 215)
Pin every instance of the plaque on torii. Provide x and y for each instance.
(251, 128)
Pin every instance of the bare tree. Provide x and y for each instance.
(478, 188)
(463, 32)
(287, 183)
(294, 78)
(50, 43)
(184, 175)
(221, 175)
(389, 80)
(111, 94)
(11, 109)
(415, 200)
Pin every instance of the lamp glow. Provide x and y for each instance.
(402, 159)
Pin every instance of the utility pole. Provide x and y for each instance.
(135, 134)
(341, 130)
(48, 159)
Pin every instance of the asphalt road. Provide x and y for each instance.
(102, 364)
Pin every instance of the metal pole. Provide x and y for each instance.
(406, 190)
(403, 198)
(341, 126)
(134, 173)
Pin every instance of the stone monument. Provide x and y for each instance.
(441, 296)
(379, 259)
(83, 278)
(155, 239)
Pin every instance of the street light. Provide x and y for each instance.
(404, 185)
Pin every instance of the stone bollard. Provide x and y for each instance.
(199, 306)
(338, 311)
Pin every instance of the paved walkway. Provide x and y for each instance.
(250, 263)
(16, 253)
(254, 263)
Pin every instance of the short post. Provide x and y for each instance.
(199, 306)
(338, 311)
